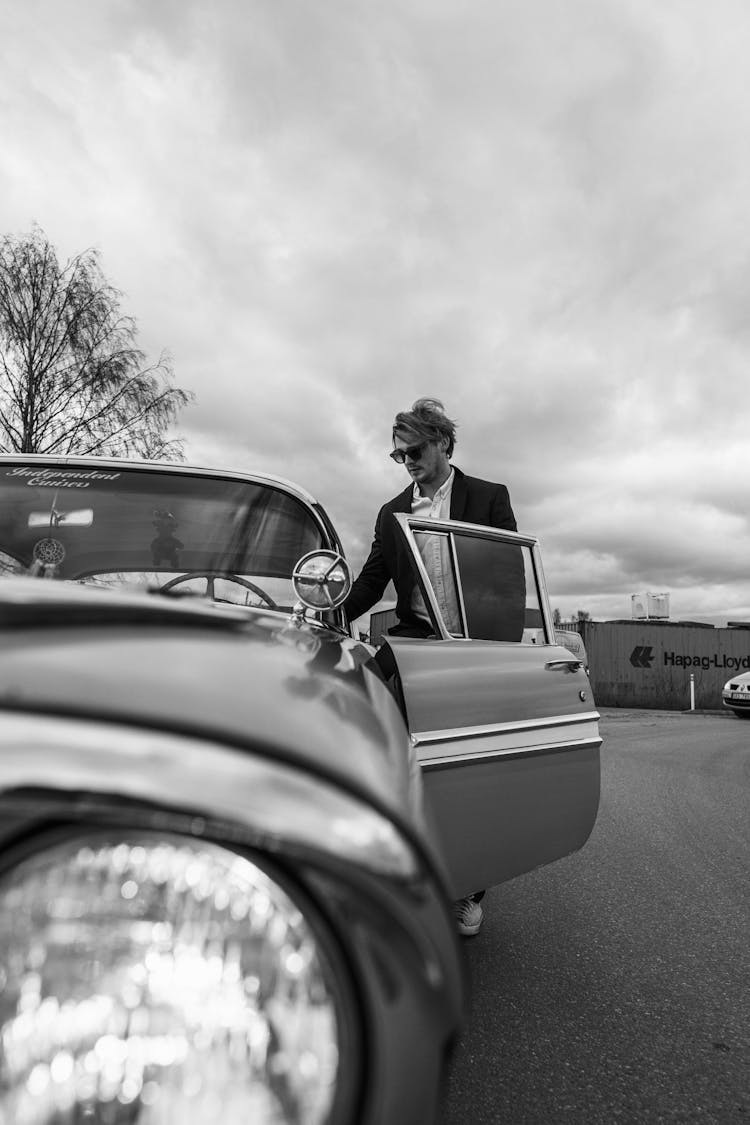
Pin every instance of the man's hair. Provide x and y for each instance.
(427, 419)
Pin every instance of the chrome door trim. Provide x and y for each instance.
(438, 749)
(460, 734)
(544, 604)
(483, 531)
(459, 587)
(444, 761)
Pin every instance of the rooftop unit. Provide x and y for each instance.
(649, 607)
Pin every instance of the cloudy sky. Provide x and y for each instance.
(534, 210)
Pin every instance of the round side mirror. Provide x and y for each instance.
(322, 580)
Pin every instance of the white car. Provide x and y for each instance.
(735, 695)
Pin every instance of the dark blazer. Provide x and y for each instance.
(472, 500)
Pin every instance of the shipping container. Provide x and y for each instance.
(649, 663)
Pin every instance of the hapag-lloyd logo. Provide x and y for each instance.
(642, 657)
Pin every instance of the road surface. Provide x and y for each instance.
(614, 985)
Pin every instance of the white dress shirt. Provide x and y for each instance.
(435, 552)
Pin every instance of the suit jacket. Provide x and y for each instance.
(472, 500)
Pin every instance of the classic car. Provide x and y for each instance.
(228, 844)
(735, 695)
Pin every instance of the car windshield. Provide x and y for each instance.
(234, 540)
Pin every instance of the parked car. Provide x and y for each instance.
(228, 847)
(573, 641)
(735, 695)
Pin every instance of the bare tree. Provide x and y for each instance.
(71, 377)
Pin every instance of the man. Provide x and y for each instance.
(423, 440)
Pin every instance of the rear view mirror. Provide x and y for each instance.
(83, 517)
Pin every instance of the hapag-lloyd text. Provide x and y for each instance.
(718, 660)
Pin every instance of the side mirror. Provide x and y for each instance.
(322, 580)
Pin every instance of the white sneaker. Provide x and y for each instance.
(469, 915)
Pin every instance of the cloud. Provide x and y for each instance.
(534, 212)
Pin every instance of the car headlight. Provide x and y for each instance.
(156, 980)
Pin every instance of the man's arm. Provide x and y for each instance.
(370, 584)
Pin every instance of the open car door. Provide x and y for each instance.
(502, 717)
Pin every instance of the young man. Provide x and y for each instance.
(423, 440)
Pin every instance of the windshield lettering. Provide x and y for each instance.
(60, 478)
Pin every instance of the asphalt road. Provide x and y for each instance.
(614, 985)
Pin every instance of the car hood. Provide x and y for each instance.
(245, 677)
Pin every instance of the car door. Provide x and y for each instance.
(502, 717)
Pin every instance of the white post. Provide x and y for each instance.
(692, 692)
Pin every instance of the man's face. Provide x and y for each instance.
(428, 465)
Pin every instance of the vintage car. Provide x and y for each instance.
(228, 843)
(735, 695)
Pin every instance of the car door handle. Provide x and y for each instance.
(563, 665)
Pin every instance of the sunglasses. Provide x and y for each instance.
(413, 452)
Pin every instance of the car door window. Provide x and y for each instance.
(439, 558)
(479, 586)
(497, 594)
